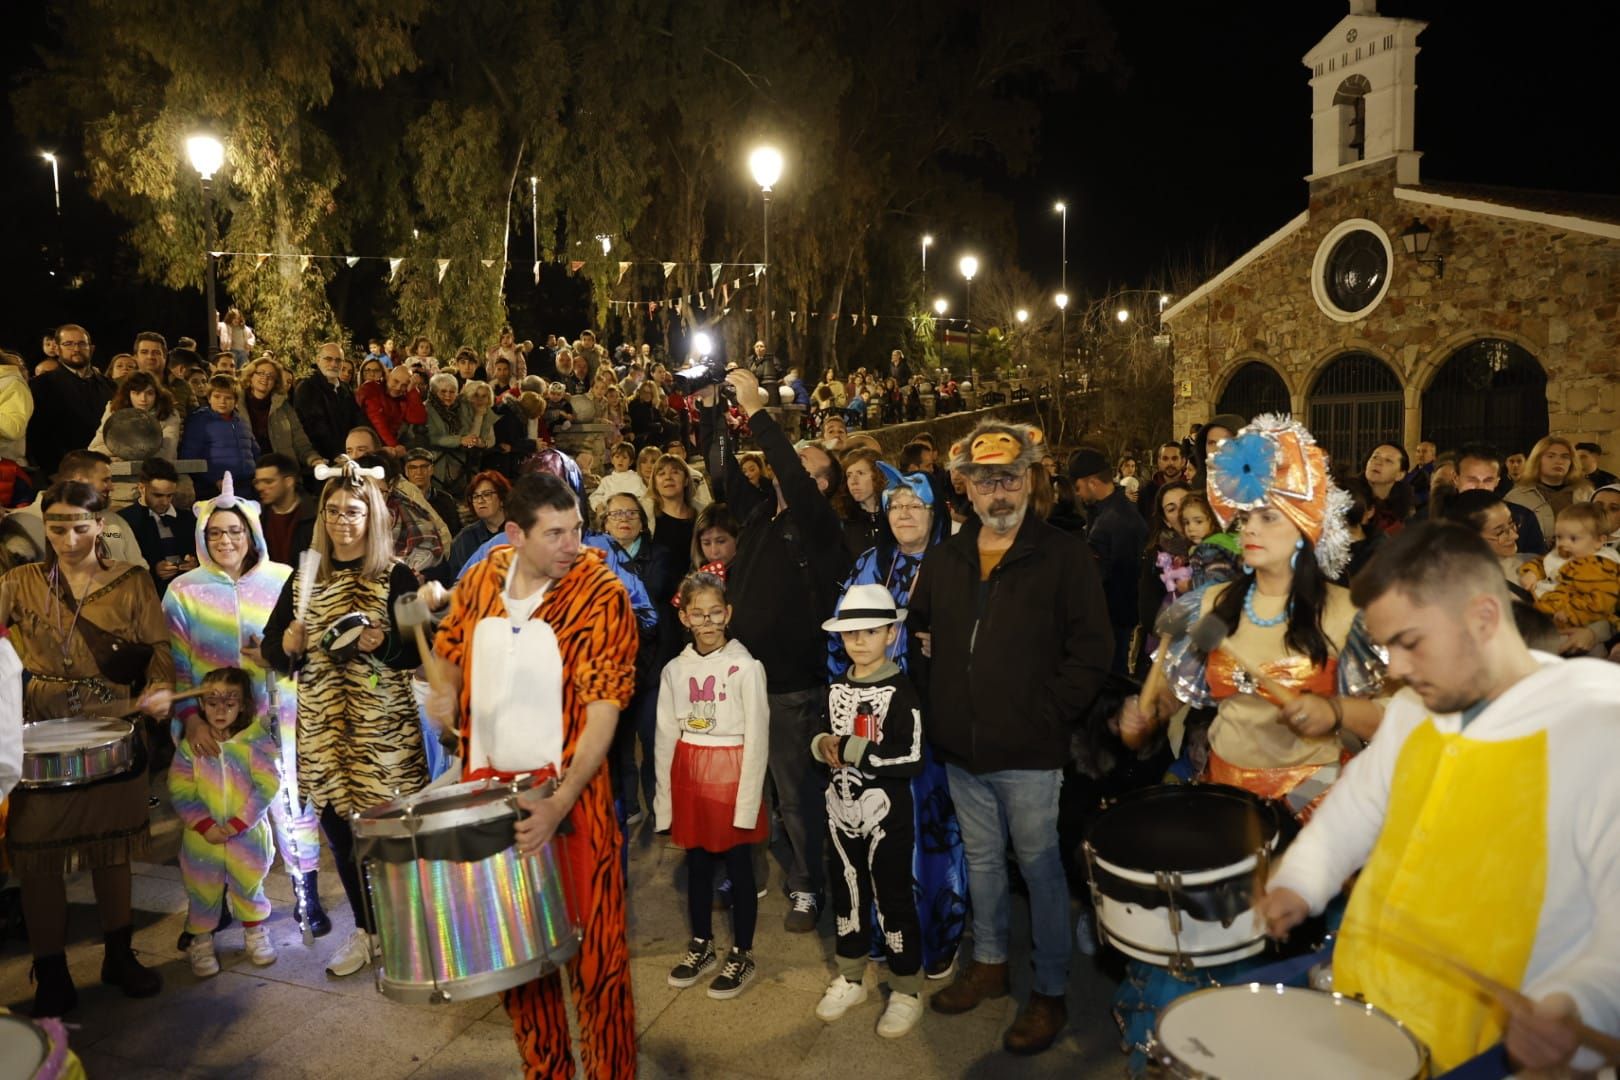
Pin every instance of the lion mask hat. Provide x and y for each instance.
(999, 446)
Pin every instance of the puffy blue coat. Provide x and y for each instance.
(225, 442)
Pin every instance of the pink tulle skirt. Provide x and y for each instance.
(703, 798)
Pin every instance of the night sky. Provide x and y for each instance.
(1193, 151)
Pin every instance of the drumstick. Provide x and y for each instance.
(411, 611)
(1211, 634)
(1507, 997)
(120, 708)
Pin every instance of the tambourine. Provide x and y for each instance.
(342, 639)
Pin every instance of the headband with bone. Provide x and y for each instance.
(350, 471)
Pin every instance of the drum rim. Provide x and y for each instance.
(410, 992)
(37, 776)
(1210, 876)
(1338, 999)
(336, 627)
(369, 823)
(44, 1037)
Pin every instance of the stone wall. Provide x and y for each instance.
(1552, 291)
(947, 429)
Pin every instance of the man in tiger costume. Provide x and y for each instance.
(542, 643)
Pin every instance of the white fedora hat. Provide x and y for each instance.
(865, 607)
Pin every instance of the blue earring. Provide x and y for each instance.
(1293, 560)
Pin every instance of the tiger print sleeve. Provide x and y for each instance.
(455, 632)
(606, 668)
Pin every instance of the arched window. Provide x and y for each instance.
(1489, 391)
(1351, 102)
(1255, 388)
(1356, 404)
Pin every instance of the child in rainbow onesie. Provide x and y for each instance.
(224, 803)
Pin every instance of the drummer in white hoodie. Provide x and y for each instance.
(1483, 819)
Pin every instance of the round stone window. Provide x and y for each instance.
(1350, 274)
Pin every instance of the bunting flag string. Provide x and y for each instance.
(669, 268)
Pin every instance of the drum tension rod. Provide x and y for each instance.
(412, 824)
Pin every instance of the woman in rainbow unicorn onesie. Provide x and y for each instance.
(216, 615)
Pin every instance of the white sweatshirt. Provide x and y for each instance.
(1520, 865)
(714, 700)
(617, 483)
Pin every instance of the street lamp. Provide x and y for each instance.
(1123, 315)
(207, 154)
(56, 184)
(765, 163)
(1063, 252)
(927, 241)
(969, 266)
(1022, 316)
(1062, 301)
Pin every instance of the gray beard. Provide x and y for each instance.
(1005, 523)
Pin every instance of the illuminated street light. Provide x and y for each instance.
(56, 185)
(941, 307)
(702, 344)
(1122, 315)
(765, 163)
(927, 241)
(968, 265)
(207, 155)
(1061, 300)
(1021, 315)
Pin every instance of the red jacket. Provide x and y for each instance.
(387, 413)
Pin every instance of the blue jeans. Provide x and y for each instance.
(1022, 804)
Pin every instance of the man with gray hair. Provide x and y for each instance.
(1011, 615)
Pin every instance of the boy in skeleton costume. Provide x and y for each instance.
(873, 749)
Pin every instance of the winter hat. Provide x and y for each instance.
(865, 607)
(1086, 463)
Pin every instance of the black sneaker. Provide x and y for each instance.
(803, 913)
(699, 958)
(737, 973)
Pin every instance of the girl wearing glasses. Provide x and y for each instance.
(712, 748)
(217, 616)
(359, 739)
(224, 799)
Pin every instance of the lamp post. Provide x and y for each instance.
(927, 241)
(1063, 251)
(941, 306)
(766, 165)
(207, 154)
(56, 183)
(1062, 301)
(969, 266)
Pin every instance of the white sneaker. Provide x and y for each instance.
(204, 961)
(901, 1015)
(260, 949)
(352, 955)
(841, 996)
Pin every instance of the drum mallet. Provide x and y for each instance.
(1210, 634)
(411, 613)
(120, 708)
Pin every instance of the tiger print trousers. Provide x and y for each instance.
(590, 861)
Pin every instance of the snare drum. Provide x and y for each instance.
(36, 1050)
(459, 912)
(77, 750)
(1266, 1032)
(1172, 872)
(342, 639)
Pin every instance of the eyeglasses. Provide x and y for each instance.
(1502, 532)
(73, 344)
(984, 485)
(347, 517)
(904, 508)
(700, 618)
(480, 496)
(235, 532)
(621, 515)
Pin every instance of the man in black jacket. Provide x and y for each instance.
(68, 402)
(1117, 536)
(325, 405)
(782, 584)
(1011, 614)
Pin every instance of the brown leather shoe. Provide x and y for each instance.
(1039, 1023)
(978, 982)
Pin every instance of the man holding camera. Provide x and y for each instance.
(783, 583)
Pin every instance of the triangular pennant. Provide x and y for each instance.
(537, 271)
(853, 319)
(725, 311)
(444, 264)
(737, 284)
(650, 307)
(714, 272)
(874, 320)
(624, 267)
(669, 268)
(576, 265)
(725, 294)
(677, 305)
(393, 267)
(487, 263)
(759, 268)
(352, 260)
(260, 260)
(793, 317)
(303, 263)
(216, 254)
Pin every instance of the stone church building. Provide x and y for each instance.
(1394, 309)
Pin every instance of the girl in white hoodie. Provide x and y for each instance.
(713, 721)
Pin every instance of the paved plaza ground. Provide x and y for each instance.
(292, 1020)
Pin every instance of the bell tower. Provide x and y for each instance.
(1364, 94)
